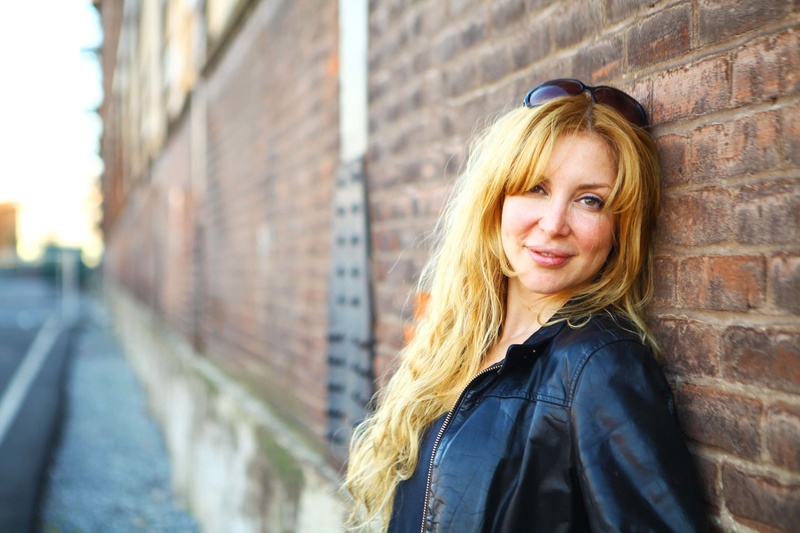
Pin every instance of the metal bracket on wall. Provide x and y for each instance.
(350, 330)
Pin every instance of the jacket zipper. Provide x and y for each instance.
(447, 419)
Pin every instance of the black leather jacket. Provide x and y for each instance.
(573, 431)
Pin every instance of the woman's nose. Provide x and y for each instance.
(554, 218)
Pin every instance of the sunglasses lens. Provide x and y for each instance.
(550, 90)
(623, 103)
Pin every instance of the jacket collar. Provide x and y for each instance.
(518, 354)
(545, 333)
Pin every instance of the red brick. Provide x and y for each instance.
(530, 43)
(695, 218)
(769, 357)
(750, 144)
(724, 420)
(759, 71)
(599, 61)
(761, 501)
(666, 282)
(768, 213)
(533, 5)
(460, 7)
(413, 27)
(674, 151)
(506, 13)
(728, 283)
(782, 430)
(691, 90)
(721, 19)
(434, 18)
(395, 10)
(691, 348)
(617, 10)
(472, 115)
(383, 367)
(428, 202)
(386, 240)
(473, 33)
(495, 63)
(410, 172)
(402, 270)
(790, 130)
(575, 21)
(642, 89)
(665, 35)
(709, 472)
(789, 43)
(784, 272)
(460, 78)
(390, 336)
(445, 47)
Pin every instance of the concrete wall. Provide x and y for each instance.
(239, 467)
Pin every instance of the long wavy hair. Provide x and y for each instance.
(467, 274)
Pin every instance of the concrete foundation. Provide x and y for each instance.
(240, 468)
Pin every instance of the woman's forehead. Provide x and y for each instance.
(559, 150)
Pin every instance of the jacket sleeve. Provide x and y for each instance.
(632, 464)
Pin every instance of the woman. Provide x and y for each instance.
(529, 398)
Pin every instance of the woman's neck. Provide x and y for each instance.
(526, 312)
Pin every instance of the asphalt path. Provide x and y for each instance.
(32, 361)
(110, 472)
(79, 452)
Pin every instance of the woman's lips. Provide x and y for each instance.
(548, 258)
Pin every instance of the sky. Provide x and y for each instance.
(49, 129)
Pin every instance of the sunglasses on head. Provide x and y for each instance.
(623, 103)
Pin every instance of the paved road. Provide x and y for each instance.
(25, 304)
(31, 372)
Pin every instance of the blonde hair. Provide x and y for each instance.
(466, 279)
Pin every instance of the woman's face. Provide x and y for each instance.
(557, 236)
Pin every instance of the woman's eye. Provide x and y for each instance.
(537, 189)
(592, 201)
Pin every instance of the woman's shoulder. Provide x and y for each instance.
(604, 345)
(584, 336)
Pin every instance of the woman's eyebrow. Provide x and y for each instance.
(585, 186)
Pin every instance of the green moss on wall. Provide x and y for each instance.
(283, 464)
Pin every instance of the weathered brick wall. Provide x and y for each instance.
(272, 154)
(173, 216)
(235, 254)
(721, 81)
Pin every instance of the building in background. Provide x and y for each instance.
(8, 234)
(272, 168)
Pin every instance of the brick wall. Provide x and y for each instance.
(272, 154)
(721, 81)
(234, 255)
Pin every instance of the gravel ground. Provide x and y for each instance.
(110, 472)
